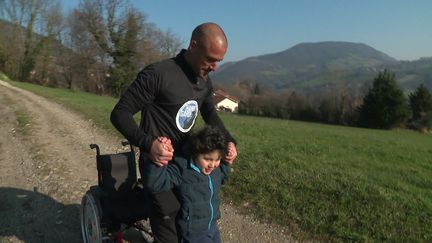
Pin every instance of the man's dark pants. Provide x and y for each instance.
(163, 214)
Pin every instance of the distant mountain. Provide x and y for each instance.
(410, 74)
(311, 66)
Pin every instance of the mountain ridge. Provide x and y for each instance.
(313, 65)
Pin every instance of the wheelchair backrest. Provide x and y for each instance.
(116, 172)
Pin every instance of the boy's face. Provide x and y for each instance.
(208, 162)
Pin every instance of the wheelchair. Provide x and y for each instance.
(117, 203)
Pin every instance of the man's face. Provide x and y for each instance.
(208, 55)
(208, 162)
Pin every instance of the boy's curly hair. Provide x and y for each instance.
(207, 140)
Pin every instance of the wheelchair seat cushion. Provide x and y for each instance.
(129, 208)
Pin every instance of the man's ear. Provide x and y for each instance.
(193, 44)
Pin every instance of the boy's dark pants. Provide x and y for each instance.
(163, 214)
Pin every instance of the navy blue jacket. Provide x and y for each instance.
(198, 193)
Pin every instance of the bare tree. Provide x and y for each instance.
(13, 35)
(11, 49)
(25, 16)
(80, 62)
(123, 38)
(168, 43)
(99, 48)
(51, 28)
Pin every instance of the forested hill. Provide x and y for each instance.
(311, 66)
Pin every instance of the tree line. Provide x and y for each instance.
(99, 46)
(383, 105)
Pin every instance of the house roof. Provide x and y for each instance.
(220, 95)
(217, 99)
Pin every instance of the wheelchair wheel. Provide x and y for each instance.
(91, 219)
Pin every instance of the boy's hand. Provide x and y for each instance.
(161, 151)
(232, 153)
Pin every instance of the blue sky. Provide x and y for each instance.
(399, 28)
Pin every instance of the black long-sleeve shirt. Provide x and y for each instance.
(169, 96)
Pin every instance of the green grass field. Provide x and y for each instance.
(322, 182)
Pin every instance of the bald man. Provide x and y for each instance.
(169, 95)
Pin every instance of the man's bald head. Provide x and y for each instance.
(209, 32)
(207, 47)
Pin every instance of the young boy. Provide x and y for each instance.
(196, 181)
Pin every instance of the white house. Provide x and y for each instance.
(225, 102)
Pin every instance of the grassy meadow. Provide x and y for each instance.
(323, 182)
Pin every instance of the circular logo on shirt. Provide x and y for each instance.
(186, 115)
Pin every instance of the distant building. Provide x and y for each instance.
(225, 102)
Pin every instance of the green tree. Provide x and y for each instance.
(385, 105)
(420, 102)
(421, 105)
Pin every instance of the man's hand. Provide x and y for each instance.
(161, 151)
(232, 153)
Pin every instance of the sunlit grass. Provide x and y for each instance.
(332, 181)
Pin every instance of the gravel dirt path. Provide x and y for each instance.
(47, 166)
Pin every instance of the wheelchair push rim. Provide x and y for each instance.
(90, 219)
